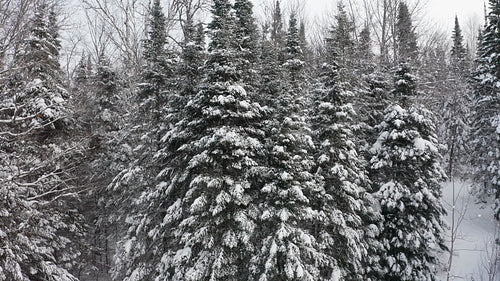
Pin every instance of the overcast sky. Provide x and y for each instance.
(441, 12)
(444, 11)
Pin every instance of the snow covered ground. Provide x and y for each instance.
(475, 232)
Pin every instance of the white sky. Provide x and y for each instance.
(444, 11)
(441, 12)
(436, 14)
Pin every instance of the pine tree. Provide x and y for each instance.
(406, 39)
(485, 156)
(364, 49)
(81, 75)
(39, 77)
(105, 104)
(294, 55)
(348, 218)
(372, 102)
(190, 69)
(277, 31)
(270, 70)
(407, 173)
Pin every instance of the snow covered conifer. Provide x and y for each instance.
(486, 107)
(405, 35)
(277, 30)
(290, 198)
(407, 173)
(343, 40)
(153, 118)
(39, 77)
(455, 127)
(405, 85)
(348, 225)
(246, 40)
(197, 221)
(294, 63)
(210, 198)
(38, 222)
(458, 51)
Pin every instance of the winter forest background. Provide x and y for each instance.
(196, 140)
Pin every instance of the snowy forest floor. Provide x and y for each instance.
(475, 235)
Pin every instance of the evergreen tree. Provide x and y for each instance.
(277, 30)
(406, 39)
(152, 119)
(204, 192)
(290, 197)
(304, 46)
(458, 51)
(294, 55)
(39, 224)
(348, 218)
(364, 50)
(190, 69)
(246, 40)
(105, 110)
(486, 107)
(343, 38)
(270, 70)
(405, 85)
(407, 173)
(38, 81)
(455, 123)
(82, 74)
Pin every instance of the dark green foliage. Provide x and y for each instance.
(458, 51)
(485, 117)
(246, 40)
(406, 169)
(405, 35)
(349, 218)
(405, 85)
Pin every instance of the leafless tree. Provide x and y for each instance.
(458, 212)
(14, 16)
(490, 260)
(382, 16)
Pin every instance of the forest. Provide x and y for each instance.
(197, 140)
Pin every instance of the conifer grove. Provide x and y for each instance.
(197, 140)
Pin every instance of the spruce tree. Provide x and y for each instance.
(343, 38)
(485, 156)
(364, 47)
(39, 224)
(406, 39)
(151, 120)
(39, 76)
(458, 51)
(455, 123)
(246, 40)
(81, 75)
(407, 173)
(405, 85)
(290, 197)
(197, 222)
(349, 219)
(277, 31)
